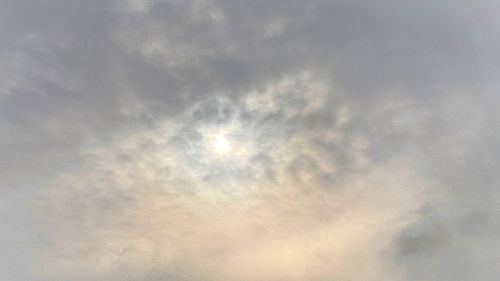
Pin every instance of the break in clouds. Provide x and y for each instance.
(249, 140)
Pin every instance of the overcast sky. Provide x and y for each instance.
(265, 140)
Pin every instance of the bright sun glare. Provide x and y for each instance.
(220, 145)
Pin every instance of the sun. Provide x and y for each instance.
(220, 144)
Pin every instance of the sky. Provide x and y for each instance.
(221, 140)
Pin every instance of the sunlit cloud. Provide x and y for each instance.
(251, 141)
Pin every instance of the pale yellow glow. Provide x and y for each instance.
(220, 145)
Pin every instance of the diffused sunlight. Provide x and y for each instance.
(220, 144)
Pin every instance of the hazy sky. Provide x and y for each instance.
(264, 140)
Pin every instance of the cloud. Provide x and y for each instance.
(361, 140)
(140, 207)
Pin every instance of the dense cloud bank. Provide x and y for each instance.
(249, 140)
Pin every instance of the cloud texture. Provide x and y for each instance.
(360, 140)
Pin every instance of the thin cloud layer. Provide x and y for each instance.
(254, 140)
(282, 211)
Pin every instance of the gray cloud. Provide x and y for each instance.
(362, 140)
